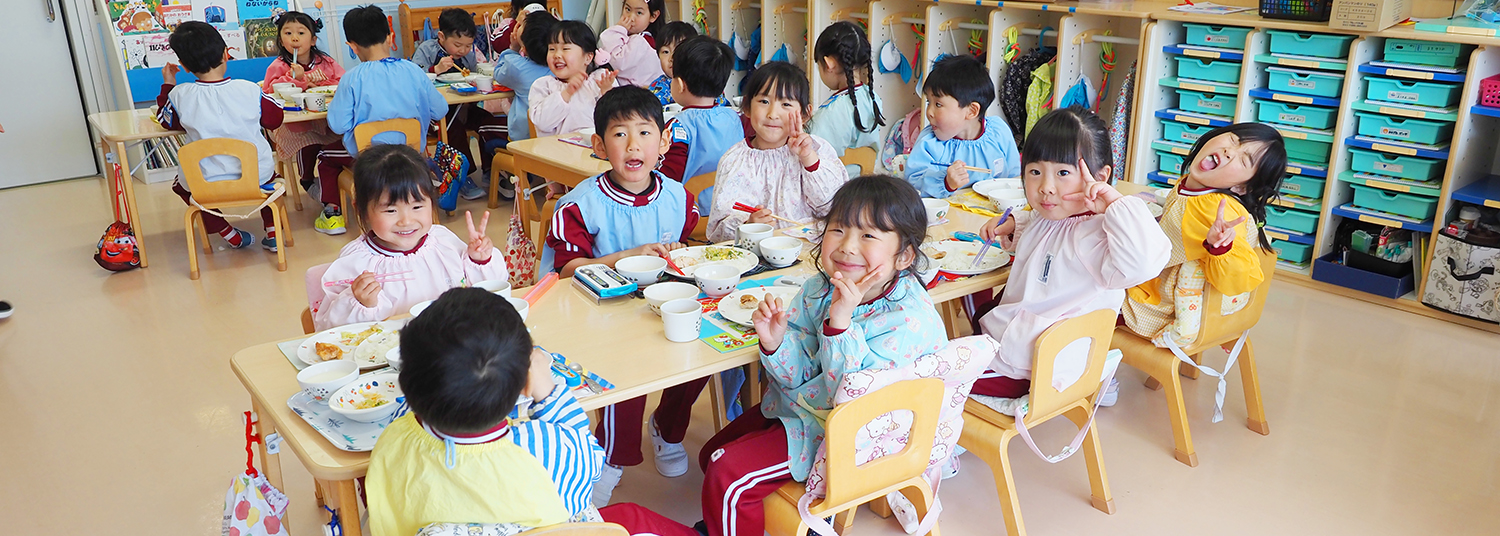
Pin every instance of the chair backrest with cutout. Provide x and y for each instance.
(411, 128)
(1216, 328)
(848, 482)
(1099, 327)
(246, 189)
(864, 157)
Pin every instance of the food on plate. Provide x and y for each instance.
(377, 345)
(370, 400)
(329, 352)
(721, 254)
(463, 71)
(686, 261)
(353, 339)
(749, 302)
(935, 254)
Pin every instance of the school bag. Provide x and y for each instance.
(117, 251)
(451, 170)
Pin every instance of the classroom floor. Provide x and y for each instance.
(118, 409)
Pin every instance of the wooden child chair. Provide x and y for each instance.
(696, 186)
(363, 133)
(314, 282)
(218, 195)
(864, 157)
(1215, 330)
(987, 433)
(851, 485)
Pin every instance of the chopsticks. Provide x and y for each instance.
(986, 247)
(673, 265)
(379, 278)
(541, 288)
(970, 168)
(747, 208)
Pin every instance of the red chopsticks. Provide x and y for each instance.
(747, 208)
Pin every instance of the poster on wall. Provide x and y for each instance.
(260, 38)
(217, 12)
(235, 40)
(136, 16)
(260, 9)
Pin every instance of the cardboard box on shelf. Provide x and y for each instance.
(1368, 15)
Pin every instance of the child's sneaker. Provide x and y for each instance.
(471, 189)
(269, 242)
(1111, 394)
(671, 458)
(330, 222)
(240, 238)
(609, 477)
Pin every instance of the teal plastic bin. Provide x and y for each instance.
(1208, 103)
(1216, 36)
(1183, 132)
(1306, 115)
(1409, 205)
(1308, 151)
(1437, 94)
(1292, 251)
(1395, 165)
(1304, 82)
(1291, 219)
(1400, 128)
(1422, 52)
(1224, 71)
(1310, 44)
(1170, 163)
(1309, 187)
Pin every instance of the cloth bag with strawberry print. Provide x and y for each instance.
(252, 506)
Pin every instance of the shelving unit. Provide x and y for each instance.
(785, 22)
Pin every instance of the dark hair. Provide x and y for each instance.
(777, 79)
(517, 5)
(198, 46)
(963, 78)
(1265, 182)
(626, 102)
(703, 63)
(673, 33)
(1067, 135)
(366, 26)
(455, 22)
(538, 30)
(465, 361)
(846, 43)
(313, 25)
(660, 8)
(572, 32)
(882, 202)
(389, 172)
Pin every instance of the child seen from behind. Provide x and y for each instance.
(404, 259)
(959, 134)
(672, 34)
(850, 118)
(301, 62)
(452, 51)
(703, 131)
(780, 169)
(629, 47)
(564, 102)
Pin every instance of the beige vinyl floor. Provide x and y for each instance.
(119, 414)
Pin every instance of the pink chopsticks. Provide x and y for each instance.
(379, 278)
(747, 208)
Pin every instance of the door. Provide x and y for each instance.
(46, 136)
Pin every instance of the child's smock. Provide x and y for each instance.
(890, 332)
(632, 56)
(1070, 267)
(834, 120)
(552, 115)
(292, 137)
(556, 431)
(391, 88)
(439, 262)
(773, 179)
(994, 149)
(518, 72)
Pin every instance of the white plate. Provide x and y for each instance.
(344, 433)
(729, 306)
(690, 258)
(958, 257)
(984, 187)
(451, 77)
(307, 351)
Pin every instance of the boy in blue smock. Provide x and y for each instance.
(703, 132)
(627, 211)
(452, 51)
(958, 91)
(379, 88)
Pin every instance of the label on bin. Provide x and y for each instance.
(1212, 105)
(1221, 39)
(1393, 168)
(1190, 135)
(1304, 84)
(1403, 96)
(1292, 118)
(1291, 187)
(1395, 132)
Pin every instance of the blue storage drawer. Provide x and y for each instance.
(1310, 187)
(1310, 44)
(1409, 205)
(1422, 52)
(1292, 251)
(1329, 269)
(1292, 219)
(1216, 36)
(1395, 165)
(1397, 128)
(1170, 163)
(1308, 151)
(1183, 132)
(1224, 71)
(1436, 94)
(1208, 103)
(1304, 82)
(1307, 115)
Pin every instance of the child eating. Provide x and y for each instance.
(453, 51)
(959, 135)
(301, 62)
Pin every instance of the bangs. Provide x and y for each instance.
(1066, 136)
(410, 191)
(780, 80)
(572, 32)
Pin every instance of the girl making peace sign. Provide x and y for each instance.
(402, 259)
(1078, 246)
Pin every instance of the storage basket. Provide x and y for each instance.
(1308, 10)
(1422, 52)
(1404, 204)
(1306, 115)
(1489, 92)
(1292, 251)
(1224, 71)
(1461, 279)
(1310, 44)
(1207, 103)
(1183, 132)
(1436, 94)
(1292, 219)
(1216, 36)
(1309, 187)
(1170, 163)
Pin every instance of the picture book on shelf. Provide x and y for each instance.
(217, 12)
(260, 38)
(136, 16)
(260, 9)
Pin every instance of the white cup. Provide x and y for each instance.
(750, 235)
(485, 84)
(681, 319)
(315, 102)
(937, 209)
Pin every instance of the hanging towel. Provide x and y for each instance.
(1081, 94)
(1038, 97)
(780, 54)
(1119, 125)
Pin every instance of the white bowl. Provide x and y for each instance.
(431, 77)
(643, 269)
(780, 251)
(322, 379)
(285, 88)
(1012, 199)
(497, 286)
(522, 306)
(393, 358)
(664, 292)
(986, 186)
(418, 308)
(717, 280)
(385, 385)
(451, 77)
(937, 209)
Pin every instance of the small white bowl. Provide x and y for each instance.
(418, 308)
(717, 280)
(643, 269)
(451, 78)
(393, 358)
(432, 77)
(522, 306)
(780, 251)
(386, 385)
(1012, 199)
(986, 186)
(937, 209)
(322, 379)
(497, 286)
(664, 292)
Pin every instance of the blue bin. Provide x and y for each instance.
(1291, 219)
(1224, 71)
(1216, 36)
(1395, 165)
(1410, 205)
(1183, 132)
(1292, 251)
(1435, 94)
(1309, 187)
(1208, 103)
(1170, 163)
(1305, 82)
(1403, 129)
(1306, 115)
(1422, 52)
(1310, 44)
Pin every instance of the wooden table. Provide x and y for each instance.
(119, 128)
(626, 345)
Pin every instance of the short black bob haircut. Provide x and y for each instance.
(703, 63)
(538, 31)
(777, 79)
(465, 361)
(456, 22)
(963, 78)
(387, 173)
(366, 26)
(198, 46)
